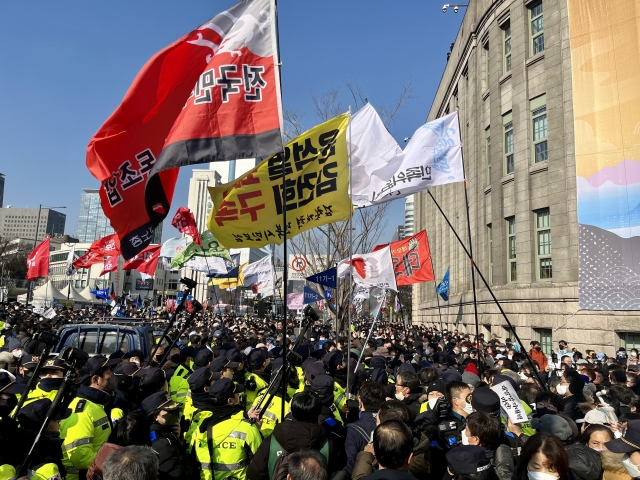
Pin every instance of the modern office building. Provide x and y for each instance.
(23, 222)
(1, 190)
(509, 75)
(408, 216)
(94, 224)
(398, 234)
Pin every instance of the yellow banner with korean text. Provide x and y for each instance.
(248, 211)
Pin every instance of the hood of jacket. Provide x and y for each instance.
(584, 462)
(612, 462)
(293, 435)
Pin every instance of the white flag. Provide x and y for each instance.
(361, 293)
(259, 271)
(372, 148)
(171, 247)
(373, 269)
(433, 156)
(265, 287)
(210, 265)
(70, 270)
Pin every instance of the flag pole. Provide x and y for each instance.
(435, 285)
(471, 259)
(486, 284)
(284, 224)
(350, 268)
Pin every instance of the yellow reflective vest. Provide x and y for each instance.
(179, 384)
(221, 449)
(252, 394)
(273, 414)
(84, 432)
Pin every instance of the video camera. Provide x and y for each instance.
(48, 338)
(74, 357)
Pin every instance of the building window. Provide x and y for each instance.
(486, 65)
(506, 33)
(511, 250)
(543, 335)
(629, 340)
(539, 129)
(537, 28)
(507, 121)
(543, 244)
(487, 148)
(490, 252)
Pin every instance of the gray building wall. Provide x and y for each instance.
(22, 223)
(544, 310)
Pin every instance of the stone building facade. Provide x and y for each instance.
(509, 75)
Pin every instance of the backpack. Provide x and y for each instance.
(278, 466)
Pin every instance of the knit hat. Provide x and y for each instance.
(472, 368)
(437, 386)
(471, 379)
(554, 424)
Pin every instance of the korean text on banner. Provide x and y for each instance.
(185, 222)
(295, 301)
(433, 156)
(510, 405)
(145, 261)
(260, 271)
(212, 95)
(248, 211)
(411, 259)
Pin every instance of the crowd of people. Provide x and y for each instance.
(406, 402)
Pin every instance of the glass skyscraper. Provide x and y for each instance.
(93, 223)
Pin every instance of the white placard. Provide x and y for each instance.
(50, 313)
(510, 403)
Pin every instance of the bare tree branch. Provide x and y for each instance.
(406, 93)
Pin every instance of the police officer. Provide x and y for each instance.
(124, 400)
(256, 380)
(225, 442)
(335, 367)
(198, 405)
(164, 414)
(273, 411)
(89, 425)
(178, 384)
(51, 377)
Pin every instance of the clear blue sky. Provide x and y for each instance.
(65, 66)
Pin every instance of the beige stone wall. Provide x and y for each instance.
(482, 101)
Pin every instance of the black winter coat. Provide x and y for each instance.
(172, 457)
(356, 441)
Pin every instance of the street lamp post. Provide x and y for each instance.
(35, 242)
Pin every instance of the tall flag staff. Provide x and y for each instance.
(349, 309)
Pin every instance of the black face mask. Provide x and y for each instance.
(540, 412)
(175, 358)
(537, 347)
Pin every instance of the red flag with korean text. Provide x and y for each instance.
(38, 260)
(145, 261)
(109, 246)
(110, 265)
(411, 259)
(88, 259)
(212, 95)
(185, 222)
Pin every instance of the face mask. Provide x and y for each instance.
(540, 476)
(427, 351)
(112, 384)
(18, 353)
(432, 403)
(538, 348)
(465, 439)
(599, 449)
(464, 350)
(562, 390)
(634, 354)
(175, 358)
(631, 469)
(467, 408)
(400, 396)
(510, 357)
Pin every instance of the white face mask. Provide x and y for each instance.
(631, 469)
(465, 439)
(540, 476)
(432, 403)
(18, 353)
(562, 390)
(510, 357)
(634, 354)
(467, 408)
(400, 396)
(464, 350)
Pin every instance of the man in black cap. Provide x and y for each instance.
(9, 388)
(257, 379)
(197, 406)
(124, 398)
(322, 385)
(89, 425)
(27, 365)
(224, 366)
(235, 356)
(152, 380)
(225, 441)
(51, 376)
(202, 358)
(164, 415)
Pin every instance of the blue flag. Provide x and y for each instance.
(310, 296)
(139, 302)
(326, 278)
(103, 294)
(443, 287)
(328, 292)
(120, 314)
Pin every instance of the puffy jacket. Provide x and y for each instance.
(539, 357)
(85, 430)
(358, 436)
(584, 462)
(295, 436)
(612, 467)
(171, 453)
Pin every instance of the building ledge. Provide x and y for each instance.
(508, 178)
(538, 168)
(487, 189)
(505, 77)
(485, 95)
(535, 59)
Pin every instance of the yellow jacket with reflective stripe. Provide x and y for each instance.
(230, 439)
(189, 409)
(38, 394)
(48, 471)
(198, 417)
(179, 385)
(273, 415)
(83, 433)
(252, 394)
